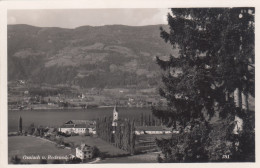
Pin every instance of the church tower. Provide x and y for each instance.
(115, 117)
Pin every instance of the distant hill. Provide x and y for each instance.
(103, 56)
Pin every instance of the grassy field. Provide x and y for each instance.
(25, 145)
(142, 158)
(102, 145)
(146, 143)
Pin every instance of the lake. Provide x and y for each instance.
(57, 117)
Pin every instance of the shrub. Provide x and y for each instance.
(15, 160)
(43, 161)
(74, 160)
(186, 146)
(95, 152)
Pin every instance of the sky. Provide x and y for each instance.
(71, 18)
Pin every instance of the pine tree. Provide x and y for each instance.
(215, 59)
(132, 138)
(213, 71)
(20, 125)
(142, 120)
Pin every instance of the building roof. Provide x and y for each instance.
(115, 109)
(153, 128)
(79, 124)
(74, 126)
(84, 147)
(89, 122)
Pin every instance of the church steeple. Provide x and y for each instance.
(115, 116)
(115, 109)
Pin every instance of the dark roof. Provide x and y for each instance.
(85, 147)
(74, 126)
(89, 122)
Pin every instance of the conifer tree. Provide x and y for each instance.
(212, 73)
(215, 60)
(20, 125)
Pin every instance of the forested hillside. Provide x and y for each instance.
(105, 56)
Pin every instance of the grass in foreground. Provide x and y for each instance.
(102, 145)
(26, 145)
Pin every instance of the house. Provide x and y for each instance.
(84, 152)
(78, 127)
(73, 128)
(152, 130)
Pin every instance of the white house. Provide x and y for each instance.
(78, 127)
(84, 152)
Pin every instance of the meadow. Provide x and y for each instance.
(28, 145)
(107, 149)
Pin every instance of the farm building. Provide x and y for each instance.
(152, 130)
(84, 152)
(78, 127)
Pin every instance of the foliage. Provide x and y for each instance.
(74, 160)
(20, 125)
(15, 160)
(122, 136)
(186, 146)
(86, 61)
(215, 58)
(31, 129)
(209, 143)
(56, 161)
(95, 152)
(43, 161)
(104, 129)
(216, 47)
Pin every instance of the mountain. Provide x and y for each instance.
(102, 56)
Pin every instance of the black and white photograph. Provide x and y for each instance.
(131, 85)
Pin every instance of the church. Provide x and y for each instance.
(115, 117)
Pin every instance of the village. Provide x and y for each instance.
(82, 131)
(23, 95)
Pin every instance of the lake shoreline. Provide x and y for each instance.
(57, 117)
(77, 108)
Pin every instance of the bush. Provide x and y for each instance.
(43, 161)
(74, 160)
(95, 152)
(15, 160)
(186, 146)
(210, 143)
(56, 161)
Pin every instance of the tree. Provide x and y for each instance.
(20, 125)
(216, 57)
(142, 120)
(95, 152)
(214, 69)
(31, 129)
(15, 160)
